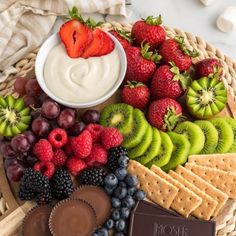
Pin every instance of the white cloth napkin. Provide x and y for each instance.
(25, 24)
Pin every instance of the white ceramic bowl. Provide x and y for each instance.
(51, 42)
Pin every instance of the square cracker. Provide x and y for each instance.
(157, 189)
(209, 189)
(225, 161)
(185, 201)
(208, 205)
(223, 180)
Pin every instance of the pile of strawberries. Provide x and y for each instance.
(83, 39)
(158, 71)
(88, 149)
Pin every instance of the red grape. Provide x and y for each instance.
(50, 109)
(43, 97)
(30, 136)
(19, 85)
(91, 116)
(10, 161)
(35, 114)
(66, 119)
(30, 100)
(32, 87)
(77, 128)
(6, 150)
(40, 127)
(20, 143)
(15, 172)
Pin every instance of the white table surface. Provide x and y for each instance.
(189, 15)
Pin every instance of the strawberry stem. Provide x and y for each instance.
(149, 55)
(153, 20)
(134, 84)
(124, 34)
(217, 70)
(180, 41)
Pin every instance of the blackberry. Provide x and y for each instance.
(61, 184)
(34, 184)
(92, 176)
(113, 157)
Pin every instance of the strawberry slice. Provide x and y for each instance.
(96, 45)
(108, 45)
(75, 36)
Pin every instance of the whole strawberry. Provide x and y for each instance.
(140, 64)
(167, 82)
(174, 50)
(82, 144)
(209, 67)
(123, 37)
(43, 150)
(149, 31)
(135, 94)
(164, 114)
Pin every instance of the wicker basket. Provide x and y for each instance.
(12, 211)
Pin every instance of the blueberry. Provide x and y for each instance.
(128, 202)
(120, 192)
(115, 214)
(115, 202)
(120, 225)
(109, 190)
(121, 173)
(109, 224)
(101, 232)
(139, 195)
(124, 213)
(122, 184)
(111, 180)
(119, 234)
(131, 191)
(131, 180)
(123, 161)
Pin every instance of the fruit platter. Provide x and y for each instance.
(113, 129)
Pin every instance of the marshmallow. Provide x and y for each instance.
(207, 2)
(226, 22)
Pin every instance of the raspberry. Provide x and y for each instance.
(98, 156)
(68, 147)
(75, 165)
(59, 157)
(43, 150)
(58, 137)
(82, 144)
(46, 168)
(95, 130)
(111, 137)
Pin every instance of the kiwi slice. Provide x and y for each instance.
(164, 155)
(14, 116)
(141, 148)
(180, 151)
(232, 123)
(194, 134)
(225, 135)
(211, 136)
(118, 115)
(206, 97)
(139, 127)
(153, 149)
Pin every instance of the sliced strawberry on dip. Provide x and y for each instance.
(96, 44)
(108, 46)
(75, 36)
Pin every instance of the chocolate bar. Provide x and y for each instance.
(151, 208)
(160, 225)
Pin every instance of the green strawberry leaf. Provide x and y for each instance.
(153, 20)
(149, 55)
(134, 84)
(123, 33)
(192, 53)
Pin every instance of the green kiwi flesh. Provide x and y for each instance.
(232, 123)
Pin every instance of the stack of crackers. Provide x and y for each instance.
(200, 189)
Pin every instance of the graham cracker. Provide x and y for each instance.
(186, 201)
(223, 180)
(206, 209)
(226, 162)
(157, 189)
(209, 189)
